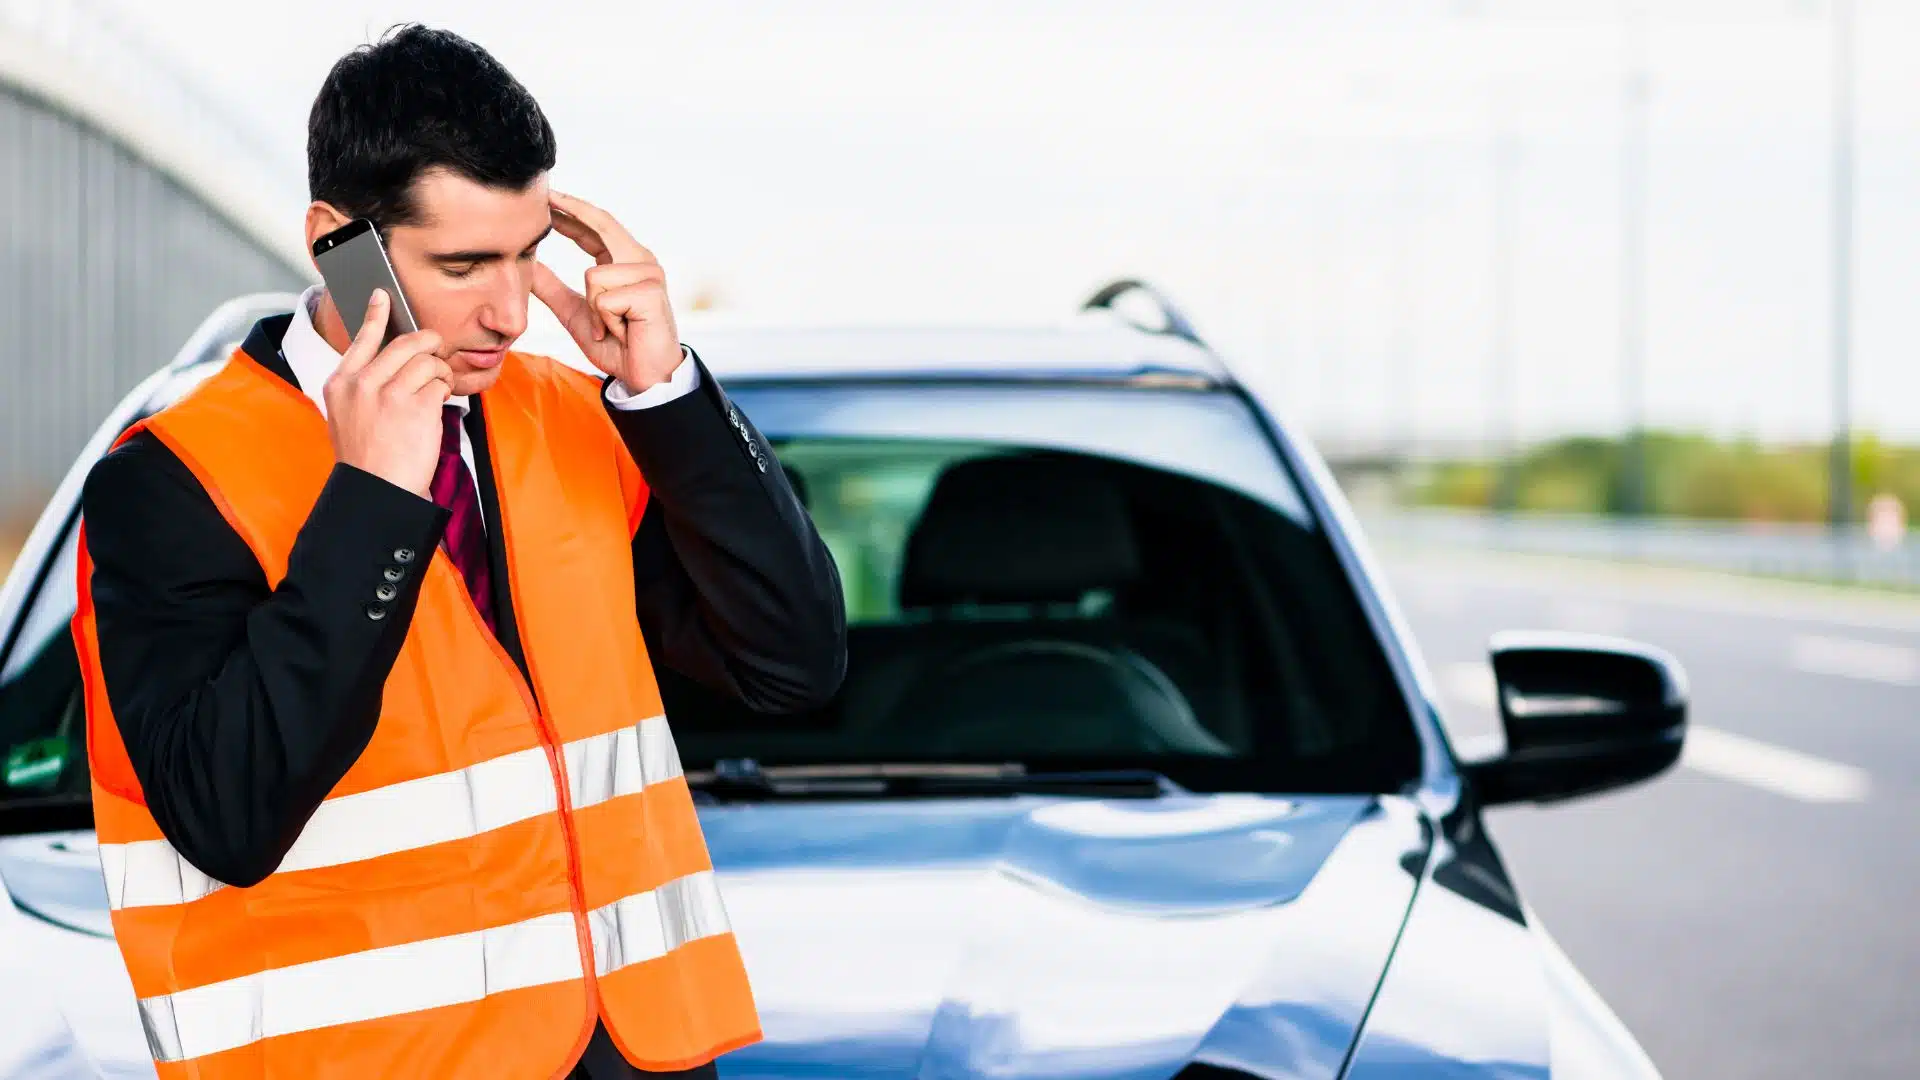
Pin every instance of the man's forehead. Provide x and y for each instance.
(461, 213)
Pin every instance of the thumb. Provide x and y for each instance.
(373, 330)
(567, 305)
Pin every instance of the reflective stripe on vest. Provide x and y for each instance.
(415, 813)
(502, 860)
(360, 986)
(428, 974)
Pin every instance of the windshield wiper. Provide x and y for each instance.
(745, 780)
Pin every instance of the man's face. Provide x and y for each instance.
(467, 268)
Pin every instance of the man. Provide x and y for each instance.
(379, 773)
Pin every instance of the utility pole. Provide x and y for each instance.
(1503, 390)
(1330, 351)
(1840, 482)
(1633, 258)
(1402, 414)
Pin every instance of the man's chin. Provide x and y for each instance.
(469, 383)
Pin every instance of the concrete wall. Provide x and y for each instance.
(107, 262)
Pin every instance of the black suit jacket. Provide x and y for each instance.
(242, 706)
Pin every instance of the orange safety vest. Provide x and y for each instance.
(503, 863)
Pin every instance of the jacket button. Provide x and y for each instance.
(393, 573)
(385, 593)
(403, 556)
(376, 612)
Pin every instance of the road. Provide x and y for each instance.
(1755, 912)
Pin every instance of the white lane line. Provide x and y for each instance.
(1469, 684)
(1772, 768)
(1668, 587)
(1589, 616)
(1854, 659)
(1431, 595)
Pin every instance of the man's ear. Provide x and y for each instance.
(322, 219)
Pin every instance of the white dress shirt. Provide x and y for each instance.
(313, 362)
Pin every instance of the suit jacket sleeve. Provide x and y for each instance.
(242, 706)
(734, 587)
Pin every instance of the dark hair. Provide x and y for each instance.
(420, 99)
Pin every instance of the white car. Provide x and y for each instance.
(1135, 773)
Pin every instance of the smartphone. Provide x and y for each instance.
(353, 263)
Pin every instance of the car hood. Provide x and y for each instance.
(1022, 937)
(1063, 938)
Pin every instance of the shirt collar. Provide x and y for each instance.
(312, 359)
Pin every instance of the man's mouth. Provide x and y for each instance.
(482, 358)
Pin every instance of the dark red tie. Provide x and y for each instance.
(465, 540)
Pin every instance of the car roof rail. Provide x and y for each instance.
(1176, 324)
(228, 324)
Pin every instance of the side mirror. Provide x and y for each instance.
(1582, 714)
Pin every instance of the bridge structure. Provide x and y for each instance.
(130, 206)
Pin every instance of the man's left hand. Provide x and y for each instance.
(623, 323)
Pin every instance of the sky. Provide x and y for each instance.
(1314, 183)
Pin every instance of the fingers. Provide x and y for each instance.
(366, 340)
(628, 304)
(382, 368)
(578, 231)
(621, 263)
(421, 372)
(407, 366)
(602, 280)
(611, 236)
(616, 275)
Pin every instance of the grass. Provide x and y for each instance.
(1687, 476)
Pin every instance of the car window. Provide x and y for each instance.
(1072, 577)
(1077, 578)
(1212, 435)
(42, 717)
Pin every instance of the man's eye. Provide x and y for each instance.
(458, 271)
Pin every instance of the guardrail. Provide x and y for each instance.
(1779, 550)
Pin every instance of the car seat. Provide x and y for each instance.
(1017, 641)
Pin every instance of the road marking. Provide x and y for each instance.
(1589, 616)
(1436, 595)
(1854, 659)
(1685, 590)
(1772, 768)
(1469, 684)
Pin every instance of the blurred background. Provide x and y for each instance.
(1602, 312)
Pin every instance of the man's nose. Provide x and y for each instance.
(506, 310)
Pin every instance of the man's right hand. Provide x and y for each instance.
(383, 405)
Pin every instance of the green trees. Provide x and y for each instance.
(1687, 476)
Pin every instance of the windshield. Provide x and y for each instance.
(42, 713)
(42, 722)
(1071, 578)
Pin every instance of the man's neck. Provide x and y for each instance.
(327, 321)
